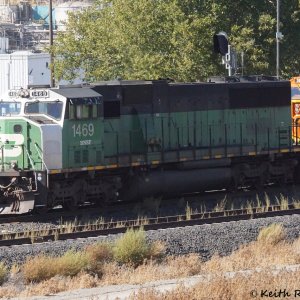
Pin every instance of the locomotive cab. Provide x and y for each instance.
(30, 142)
(33, 125)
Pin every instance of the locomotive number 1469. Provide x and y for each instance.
(83, 130)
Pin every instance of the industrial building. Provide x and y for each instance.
(26, 23)
(24, 33)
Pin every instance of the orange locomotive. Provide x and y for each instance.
(295, 109)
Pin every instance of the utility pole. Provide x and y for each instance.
(279, 36)
(52, 83)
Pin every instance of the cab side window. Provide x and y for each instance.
(84, 109)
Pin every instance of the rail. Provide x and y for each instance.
(103, 229)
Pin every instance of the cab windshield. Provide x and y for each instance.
(10, 108)
(52, 109)
(295, 93)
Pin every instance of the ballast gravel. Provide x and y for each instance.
(25, 227)
(206, 240)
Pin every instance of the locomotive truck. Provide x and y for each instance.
(127, 140)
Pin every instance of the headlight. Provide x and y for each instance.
(39, 176)
(14, 165)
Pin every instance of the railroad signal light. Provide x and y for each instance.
(220, 43)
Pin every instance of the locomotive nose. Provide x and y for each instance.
(17, 184)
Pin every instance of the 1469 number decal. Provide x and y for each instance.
(83, 130)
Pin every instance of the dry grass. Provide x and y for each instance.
(15, 269)
(96, 267)
(254, 255)
(267, 201)
(3, 272)
(269, 250)
(131, 248)
(171, 267)
(272, 234)
(157, 250)
(188, 211)
(100, 252)
(237, 288)
(283, 202)
(97, 255)
(296, 204)
(59, 284)
(221, 206)
(113, 273)
(8, 292)
(39, 268)
(249, 208)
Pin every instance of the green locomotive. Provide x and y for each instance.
(126, 140)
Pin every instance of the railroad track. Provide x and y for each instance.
(96, 212)
(61, 214)
(103, 229)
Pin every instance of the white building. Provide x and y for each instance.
(8, 13)
(23, 68)
(3, 44)
(62, 10)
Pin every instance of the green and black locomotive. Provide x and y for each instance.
(127, 140)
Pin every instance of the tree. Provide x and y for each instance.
(251, 27)
(145, 39)
(151, 39)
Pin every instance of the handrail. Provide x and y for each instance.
(41, 157)
(31, 162)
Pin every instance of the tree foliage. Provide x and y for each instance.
(150, 39)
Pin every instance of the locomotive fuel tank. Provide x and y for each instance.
(172, 183)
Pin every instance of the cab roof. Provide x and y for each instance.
(76, 92)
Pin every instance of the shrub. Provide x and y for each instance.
(272, 234)
(72, 263)
(157, 250)
(15, 269)
(131, 248)
(98, 254)
(3, 273)
(39, 268)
